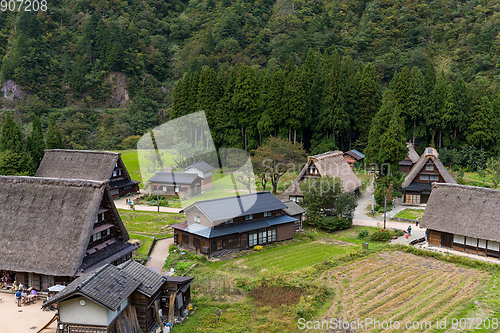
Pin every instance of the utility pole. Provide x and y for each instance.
(385, 208)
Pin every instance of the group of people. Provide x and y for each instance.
(20, 293)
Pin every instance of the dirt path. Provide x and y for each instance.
(30, 319)
(160, 254)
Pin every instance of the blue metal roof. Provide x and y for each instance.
(207, 232)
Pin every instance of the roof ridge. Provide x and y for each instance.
(58, 181)
(234, 196)
(92, 275)
(83, 151)
(467, 187)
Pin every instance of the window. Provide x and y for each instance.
(412, 198)
(119, 172)
(495, 246)
(434, 178)
(248, 217)
(105, 233)
(424, 177)
(482, 244)
(164, 189)
(96, 237)
(229, 221)
(197, 218)
(262, 236)
(176, 189)
(268, 214)
(252, 238)
(114, 173)
(115, 192)
(102, 216)
(231, 242)
(429, 167)
(458, 239)
(271, 235)
(471, 241)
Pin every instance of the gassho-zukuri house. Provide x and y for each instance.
(53, 230)
(127, 298)
(331, 164)
(88, 165)
(417, 185)
(234, 223)
(463, 218)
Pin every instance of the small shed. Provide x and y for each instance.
(176, 183)
(294, 210)
(204, 171)
(352, 156)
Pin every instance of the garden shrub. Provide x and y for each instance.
(333, 223)
(258, 248)
(382, 235)
(363, 234)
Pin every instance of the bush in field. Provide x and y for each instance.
(382, 235)
(333, 223)
(399, 233)
(363, 234)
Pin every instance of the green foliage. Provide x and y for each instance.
(333, 223)
(131, 142)
(382, 235)
(493, 171)
(363, 234)
(36, 146)
(54, 140)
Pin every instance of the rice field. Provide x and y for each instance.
(396, 286)
(293, 257)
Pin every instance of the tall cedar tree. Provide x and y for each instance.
(180, 98)
(393, 144)
(297, 102)
(351, 93)
(434, 110)
(416, 105)
(245, 104)
(369, 101)
(484, 127)
(208, 94)
(36, 146)
(14, 160)
(455, 116)
(53, 135)
(11, 136)
(333, 116)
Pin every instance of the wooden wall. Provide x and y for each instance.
(285, 231)
(434, 237)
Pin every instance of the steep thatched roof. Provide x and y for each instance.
(46, 223)
(463, 210)
(332, 164)
(430, 154)
(78, 164)
(412, 154)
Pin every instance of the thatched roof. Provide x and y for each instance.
(332, 164)
(46, 223)
(430, 154)
(412, 154)
(463, 210)
(78, 164)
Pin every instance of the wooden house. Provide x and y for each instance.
(204, 171)
(176, 183)
(411, 158)
(352, 156)
(127, 298)
(234, 223)
(88, 165)
(332, 164)
(463, 218)
(53, 230)
(417, 185)
(294, 210)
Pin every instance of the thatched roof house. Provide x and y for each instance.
(88, 165)
(411, 158)
(464, 218)
(55, 229)
(417, 185)
(332, 164)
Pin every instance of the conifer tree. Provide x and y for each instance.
(455, 115)
(484, 127)
(298, 105)
(416, 103)
(180, 98)
(11, 136)
(369, 101)
(333, 116)
(36, 145)
(351, 93)
(379, 126)
(53, 135)
(430, 78)
(434, 109)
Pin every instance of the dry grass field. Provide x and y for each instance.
(405, 288)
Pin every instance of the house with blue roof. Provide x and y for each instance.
(234, 223)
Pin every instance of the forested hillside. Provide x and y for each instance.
(309, 71)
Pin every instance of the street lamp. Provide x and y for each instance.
(385, 208)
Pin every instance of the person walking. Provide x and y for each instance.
(409, 230)
(18, 298)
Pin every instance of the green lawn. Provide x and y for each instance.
(294, 256)
(143, 250)
(150, 223)
(411, 214)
